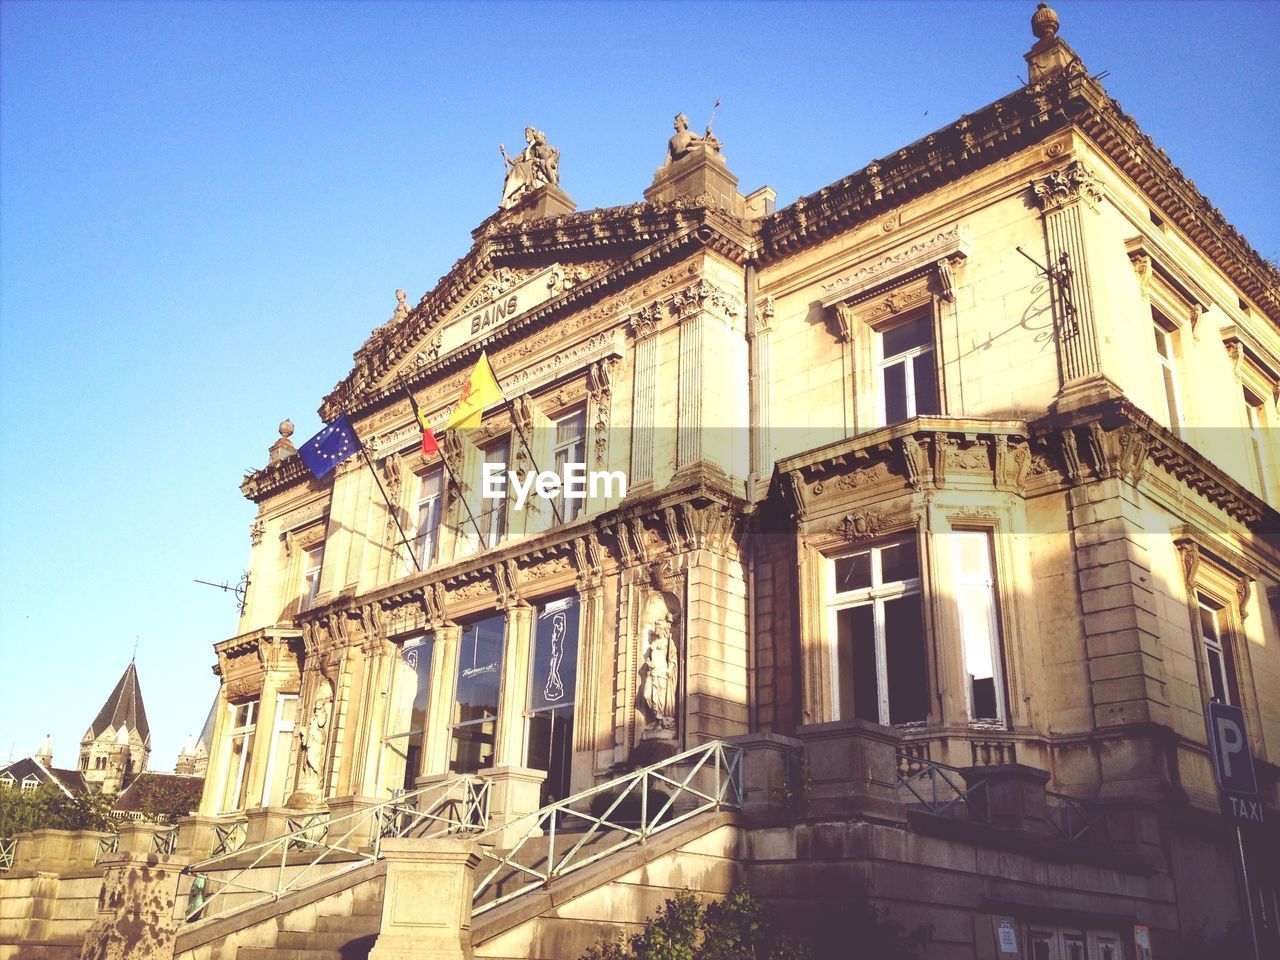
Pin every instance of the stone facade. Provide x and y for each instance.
(966, 459)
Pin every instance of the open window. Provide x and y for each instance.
(242, 719)
(976, 602)
(877, 622)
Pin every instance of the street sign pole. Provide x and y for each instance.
(1233, 769)
(1248, 896)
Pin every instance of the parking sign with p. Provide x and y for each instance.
(1229, 747)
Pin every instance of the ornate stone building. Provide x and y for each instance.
(969, 456)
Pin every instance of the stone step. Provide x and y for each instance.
(274, 953)
(343, 941)
(356, 925)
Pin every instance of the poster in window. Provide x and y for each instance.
(555, 655)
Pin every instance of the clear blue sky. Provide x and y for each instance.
(205, 207)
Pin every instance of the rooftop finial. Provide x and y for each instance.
(286, 428)
(1044, 22)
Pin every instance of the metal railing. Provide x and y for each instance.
(1076, 821)
(228, 837)
(107, 846)
(165, 842)
(342, 843)
(8, 850)
(665, 794)
(941, 789)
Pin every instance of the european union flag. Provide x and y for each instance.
(330, 446)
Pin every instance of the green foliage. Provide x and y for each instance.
(740, 927)
(47, 807)
(165, 799)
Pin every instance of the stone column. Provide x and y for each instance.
(435, 739)
(1069, 199)
(644, 327)
(592, 722)
(426, 910)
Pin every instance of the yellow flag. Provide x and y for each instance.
(479, 392)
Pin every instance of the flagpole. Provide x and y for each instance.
(404, 538)
(413, 404)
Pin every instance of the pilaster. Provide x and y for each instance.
(644, 327)
(512, 697)
(1069, 198)
(444, 666)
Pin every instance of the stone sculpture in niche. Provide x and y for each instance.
(661, 678)
(312, 740)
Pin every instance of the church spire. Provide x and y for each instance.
(124, 707)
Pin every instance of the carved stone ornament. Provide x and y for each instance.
(256, 531)
(1073, 182)
(1244, 589)
(864, 524)
(1190, 562)
(313, 741)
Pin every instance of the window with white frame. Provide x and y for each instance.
(235, 781)
(312, 564)
(1256, 416)
(1216, 643)
(875, 616)
(1166, 355)
(428, 507)
(908, 371)
(276, 784)
(30, 782)
(975, 593)
(570, 445)
(492, 518)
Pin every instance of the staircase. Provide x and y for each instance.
(327, 900)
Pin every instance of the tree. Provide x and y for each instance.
(47, 807)
(740, 927)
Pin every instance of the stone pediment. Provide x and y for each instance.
(562, 252)
(503, 295)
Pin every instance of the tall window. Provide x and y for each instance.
(235, 784)
(493, 513)
(1217, 651)
(1166, 355)
(908, 375)
(276, 784)
(1255, 412)
(428, 504)
(570, 447)
(979, 626)
(475, 706)
(553, 684)
(410, 698)
(881, 671)
(312, 563)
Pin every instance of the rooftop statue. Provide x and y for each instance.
(686, 141)
(537, 165)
